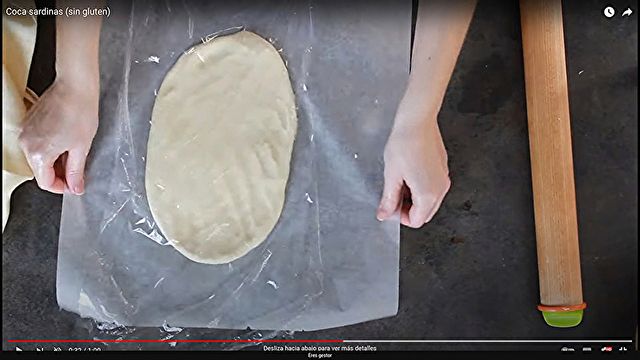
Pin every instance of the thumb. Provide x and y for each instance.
(74, 171)
(390, 196)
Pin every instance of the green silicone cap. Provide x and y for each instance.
(563, 319)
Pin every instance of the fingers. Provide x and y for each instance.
(416, 204)
(391, 196)
(422, 207)
(414, 213)
(438, 203)
(44, 172)
(74, 171)
(56, 173)
(404, 213)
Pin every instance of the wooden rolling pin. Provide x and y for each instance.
(554, 197)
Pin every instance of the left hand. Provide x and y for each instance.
(57, 134)
(416, 174)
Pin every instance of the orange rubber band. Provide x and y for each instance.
(30, 98)
(559, 308)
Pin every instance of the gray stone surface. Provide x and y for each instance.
(470, 273)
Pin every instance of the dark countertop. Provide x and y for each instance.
(471, 273)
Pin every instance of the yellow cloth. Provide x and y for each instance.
(18, 41)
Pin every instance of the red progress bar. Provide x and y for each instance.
(172, 341)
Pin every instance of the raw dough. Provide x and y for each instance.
(219, 149)
(18, 41)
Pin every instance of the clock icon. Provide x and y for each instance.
(609, 11)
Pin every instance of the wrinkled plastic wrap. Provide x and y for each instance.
(328, 262)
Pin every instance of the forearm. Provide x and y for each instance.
(77, 47)
(440, 31)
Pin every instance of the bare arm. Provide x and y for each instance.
(58, 130)
(416, 176)
(441, 27)
(77, 44)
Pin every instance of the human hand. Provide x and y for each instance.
(57, 134)
(416, 174)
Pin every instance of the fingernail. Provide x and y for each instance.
(79, 188)
(381, 214)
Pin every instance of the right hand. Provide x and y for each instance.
(57, 134)
(416, 173)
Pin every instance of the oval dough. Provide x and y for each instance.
(219, 149)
